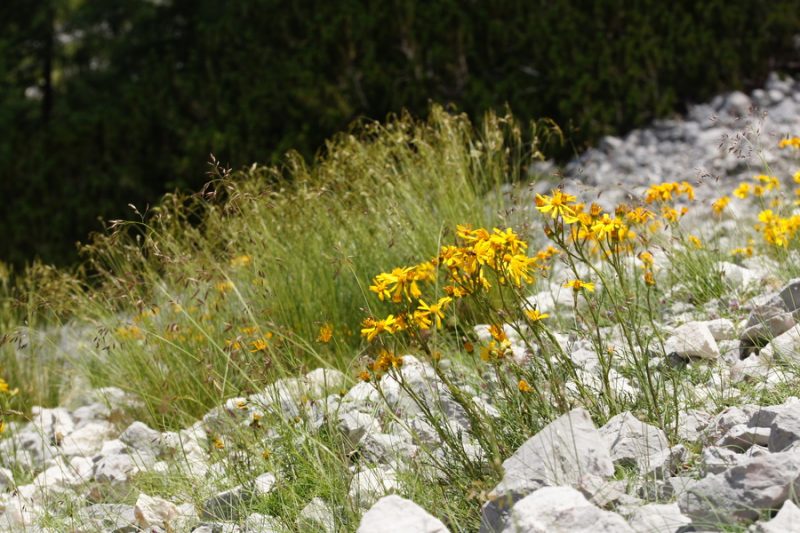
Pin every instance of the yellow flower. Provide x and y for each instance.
(259, 345)
(793, 142)
(249, 330)
(720, 204)
(649, 279)
(129, 333)
(425, 313)
(578, 285)
(401, 281)
(534, 315)
(647, 259)
(695, 241)
(770, 182)
(742, 191)
(524, 386)
(557, 205)
(241, 261)
(640, 215)
(672, 215)
(4, 388)
(497, 333)
(518, 266)
(611, 228)
(218, 443)
(224, 286)
(325, 333)
(664, 192)
(364, 376)
(796, 177)
(746, 251)
(371, 328)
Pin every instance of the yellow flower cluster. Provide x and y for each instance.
(665, 192)
(478, 259)
(793, 142)
(777, 230)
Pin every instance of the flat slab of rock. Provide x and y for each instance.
(399, 515)
(560, 454)
(552, 509)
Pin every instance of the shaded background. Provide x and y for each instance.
(109, 102)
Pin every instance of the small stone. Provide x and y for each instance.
(714, 459)
(790, 295)
(371, 484)
(786, 521)
(692, 339)
(141, 438)
(783, 348)
(691, 423)
(396, 514)
(261, 523)
(115, 469)
(108, 516)
(317, 516)
(385, 448)
(736, 277)
(658, 518)
(741, 492)
(562, 509)
(562, 452)
(784, 430)
(721, 329)
(633, 442)
(764, 324)
(355, 424)
(741, 437)
(152, 511)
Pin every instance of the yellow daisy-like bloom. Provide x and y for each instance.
(364, 376)
(241, 261)
(325, 333)
(518, 267)
(371, 328)
(578, 285)
(647, 259)
(224, 286)
(259, 345)
(425, 314)
(558, 204)
(639, 215)
(534, 315)
(770, 182)
(720, 204)
(791, 142)
(696, 242)
(796, 177)
(742, 191)
(497, 333)
(524, 386)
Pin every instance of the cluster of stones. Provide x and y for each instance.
(723, 141)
